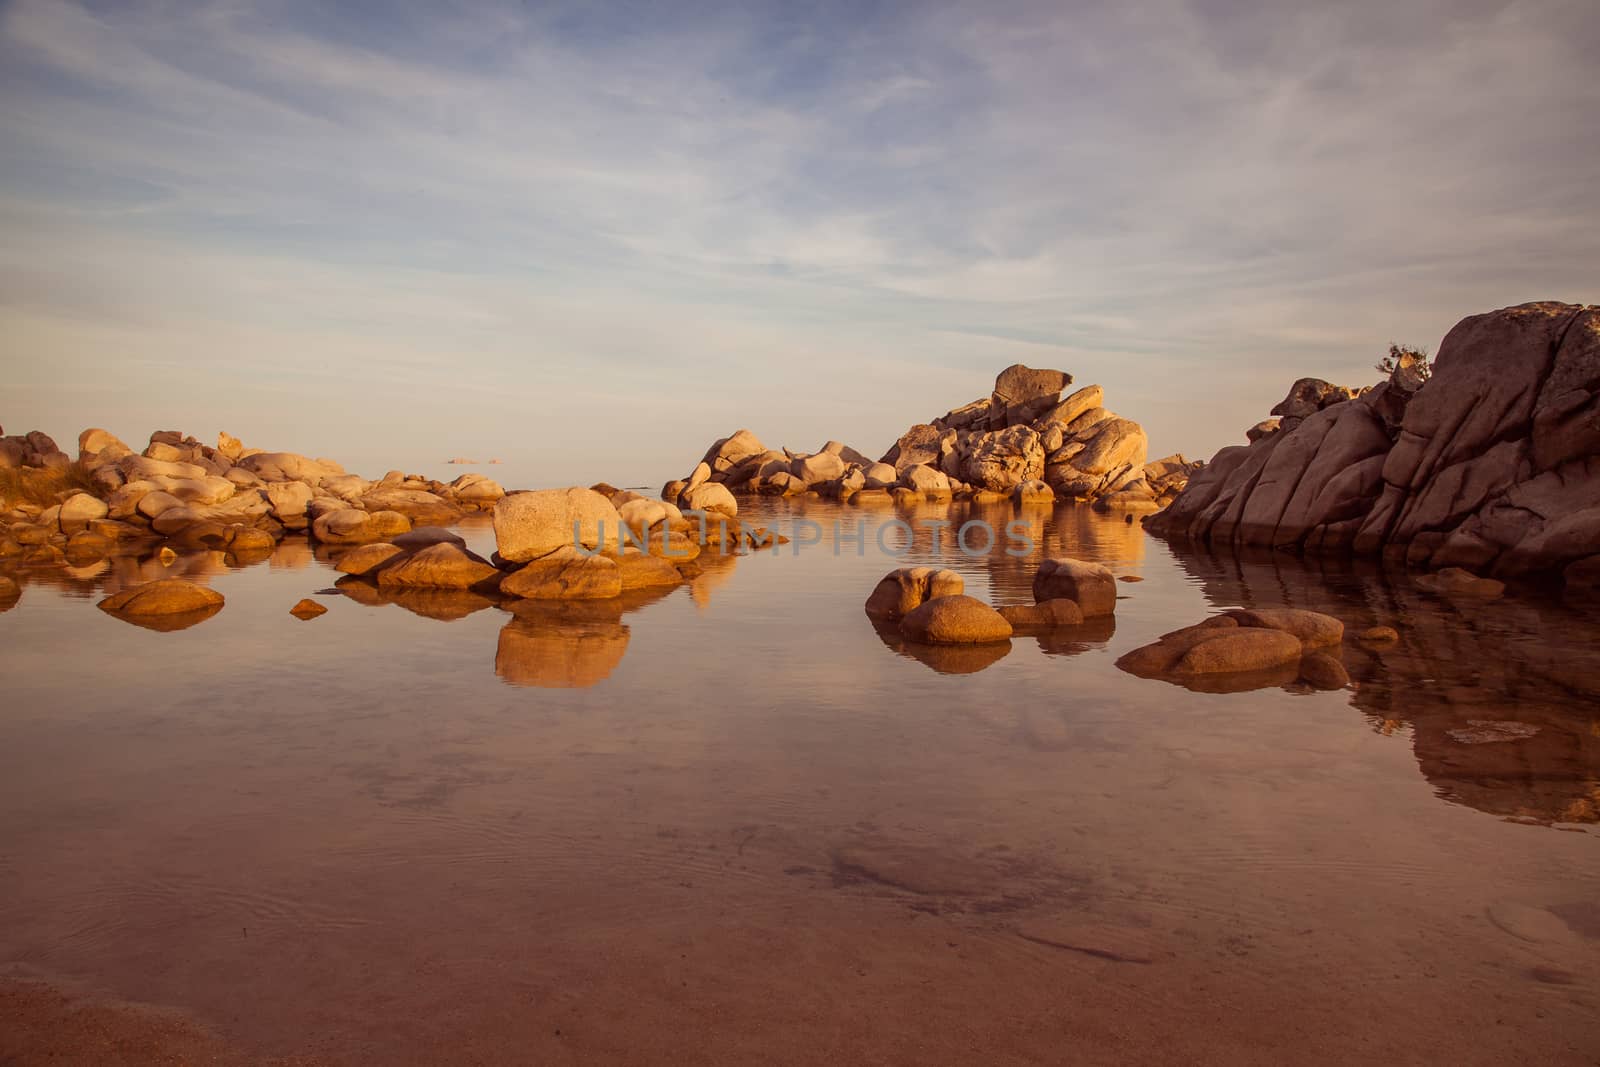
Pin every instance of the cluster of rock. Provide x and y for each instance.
(553, 545)
(929, 605)
(1491, 464)
(229, 497)
(558, 544)
(1249, 649)
(33, 449)
(1024, 440)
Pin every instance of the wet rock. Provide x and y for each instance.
(1044, 615)
(1322, 671)
(954, 620)
(307, 609)
(1378, 635)
(1314, 629)
(250, 539)
(366, 559)
(565, 574)
(86, 547)
(438, 566)
(1216, 646)
(1456, 582)
(640, 570)
(1091, 586)
(1244, 649)
(166, 596)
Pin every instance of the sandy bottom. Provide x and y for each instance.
(734, 825)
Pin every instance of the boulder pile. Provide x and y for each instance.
(1246, 649)
(228, 497)
(927, 605)
(1492, 464)
(1023, 440)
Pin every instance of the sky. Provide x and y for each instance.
(593, 238)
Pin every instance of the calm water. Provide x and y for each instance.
(736, 824)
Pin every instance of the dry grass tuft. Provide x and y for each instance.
(43, 486)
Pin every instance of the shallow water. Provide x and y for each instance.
(735, 823)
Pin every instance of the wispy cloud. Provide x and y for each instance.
(700, 219)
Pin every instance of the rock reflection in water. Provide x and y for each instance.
(567, 644)
(443, 605)
(170, 623)
(1501, 699)
(945, 659)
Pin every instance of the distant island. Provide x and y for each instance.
(462, 461)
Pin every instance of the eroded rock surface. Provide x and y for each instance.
(1491, 464)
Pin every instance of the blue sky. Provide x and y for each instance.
(594, 237)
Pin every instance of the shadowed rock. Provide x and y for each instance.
(1092, 587)
(1492, 464)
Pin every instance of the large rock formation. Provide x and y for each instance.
(236, 499)
(1492, 463)
(1023, 435)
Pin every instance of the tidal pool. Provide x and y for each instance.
(734, 822)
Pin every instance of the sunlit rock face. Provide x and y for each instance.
(1491, 464)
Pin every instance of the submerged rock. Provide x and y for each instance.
(1322, 670)
(1246, 642)
(1092, 587)
(1453, 581)
(166, 596)
(1045, 615)
(165, 605)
